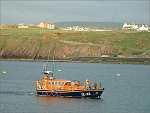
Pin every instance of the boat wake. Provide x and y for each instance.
(17, 93)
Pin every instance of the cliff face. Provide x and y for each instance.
(40, 49)
(44, 44)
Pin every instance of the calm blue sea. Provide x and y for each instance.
(127, 88)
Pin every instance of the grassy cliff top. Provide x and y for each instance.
(35, 42)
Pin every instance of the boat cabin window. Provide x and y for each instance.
(52, 83)
(61, 83)
(56, 83)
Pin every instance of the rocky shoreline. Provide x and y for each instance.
(90, 60)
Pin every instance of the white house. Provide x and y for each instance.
(135, 27)
(129, 26)
(22, 26)
(51, 26)
(46, 25)
(143, 28)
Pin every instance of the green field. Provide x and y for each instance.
(35, 43)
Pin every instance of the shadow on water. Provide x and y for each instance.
(48, 100)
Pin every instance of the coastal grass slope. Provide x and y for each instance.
(36, 43)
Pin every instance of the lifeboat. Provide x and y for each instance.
(48, 85)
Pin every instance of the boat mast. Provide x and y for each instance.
(53, 62)
(53, 65)
(45, 67)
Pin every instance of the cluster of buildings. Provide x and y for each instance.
(76, 28)
(40, 25)
(135, 27)
(79, 28)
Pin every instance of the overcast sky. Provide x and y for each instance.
(34, 11)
